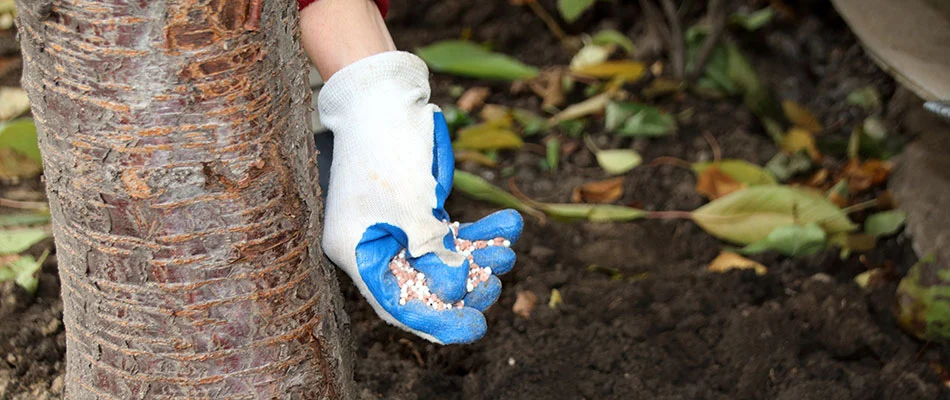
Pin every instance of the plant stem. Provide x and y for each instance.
(669, 215)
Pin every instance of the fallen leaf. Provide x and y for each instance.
(728, 261)
(494, 112)
(591, 54)
(801, 116)
(13, 102)
(552, 152)
(610, 36)
(740, 170)
(613, 273)
(754, 20)
(23, 219)
(473, 98)
(783, 166)
(791, 240)
(866, 97)
(524, 303)
(495, 135)
(602, 192)
(869, 277)
(480, 189)
(885, 223)
(798, 139)
(751, 214)
(476, 157)
(555, 299)
(634, 119)
(469, 59)
(15, 166)
(571, 10)
(455, 118)
(629, 71)
(662, 87)
(587, 107)
(22, 270)
(13, 241)
(618, 161)
(863, 176)
(530, 122)
(923, 309)
(712, 183)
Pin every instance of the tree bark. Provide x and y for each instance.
(182, 180)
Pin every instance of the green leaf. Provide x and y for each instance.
(791, 240)
(866, 97)
(22, 270)
(480, 189)
(749, 215)
(531, 123)
(618, 161)
(885, 223)
(923, 299)
(740, 170)
(488, 136)
(754, 20)
(23, 219)
(593, 212)
(17, 240)
(456, 118)
(634, 119)
(571, 10)
(591, 54)
(610, 36)
(782, 166)
(20, 135)
(465, 58)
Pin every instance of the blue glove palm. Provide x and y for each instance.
(382, 242)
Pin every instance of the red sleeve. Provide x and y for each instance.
(383, 5)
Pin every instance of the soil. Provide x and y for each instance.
(659, 325)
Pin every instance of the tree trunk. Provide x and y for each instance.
(182, 180)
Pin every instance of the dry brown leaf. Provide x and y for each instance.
(863, 176)
(495, 112)
(473, 98)
(727, 261)
(713, 183)
(525, 303)
(593, 105)
(605, 191)
(801, 116)
(548, 86)
(15, 166)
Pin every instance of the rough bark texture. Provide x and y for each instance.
(182, 180)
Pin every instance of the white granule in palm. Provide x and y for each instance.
(412, 283)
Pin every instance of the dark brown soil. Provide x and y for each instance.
(666, 329)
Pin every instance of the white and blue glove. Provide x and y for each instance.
(391, 172)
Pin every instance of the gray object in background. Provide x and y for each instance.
(322, 137)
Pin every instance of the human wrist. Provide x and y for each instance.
(336, 33)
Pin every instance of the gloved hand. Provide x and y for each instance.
(392, 170)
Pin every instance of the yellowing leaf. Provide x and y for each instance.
(801, 117)
(885, 223)
(22, 270)
(618, 161)
(605, 191)
(476, 157)
(571, 10)
(751, 214)
(628, 70)
(18, 240)
(555, 299)
(800, 139)
(15, 166)
(740, 170)
(488, 136)
(480, 189)
(20, 135)
(728, 261)
(592, 212)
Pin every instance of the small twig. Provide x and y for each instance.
(667, 160)
(655, 21)
(548, 20)
(24, 205)
(716, 18)
(714, 145)
(669, 215)
(676, 47)
(860, 206)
